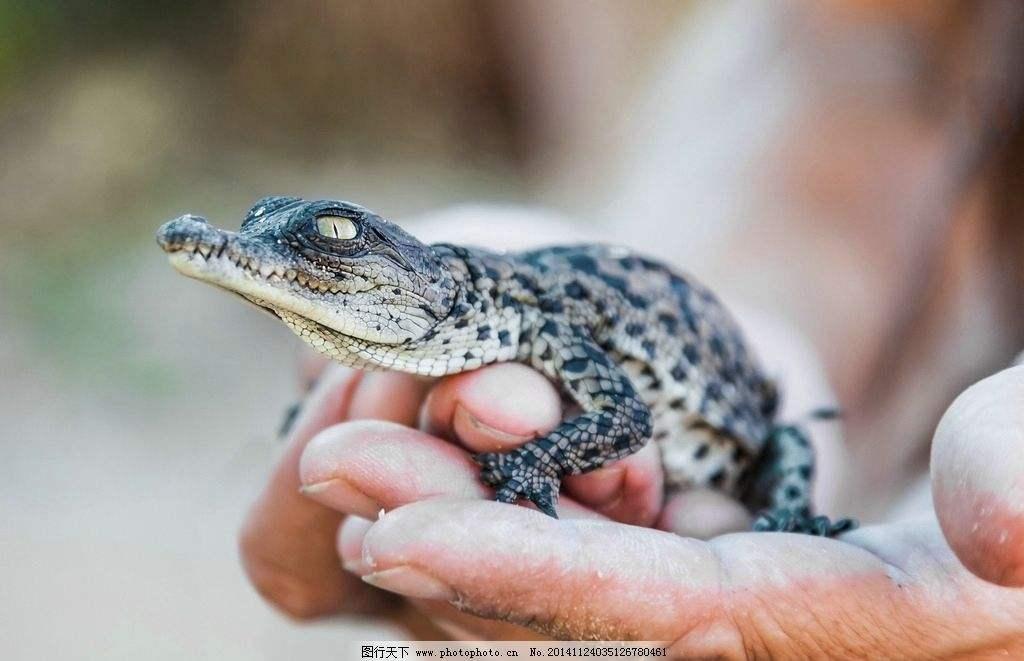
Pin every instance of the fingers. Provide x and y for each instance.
(595, 579)
(628, 491)
(704, 514)
(977, 468)
(501, 407)
(287, 541)
(739, 596)
(367, 466)
(454, 623)
(363, 467)
(567, 579)
(496, 408)
(350, 544)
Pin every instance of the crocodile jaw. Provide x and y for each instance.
(269, 280)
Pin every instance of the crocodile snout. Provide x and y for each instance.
(186, 233)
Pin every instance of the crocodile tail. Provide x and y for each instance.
(770, 405)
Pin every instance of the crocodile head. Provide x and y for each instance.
(332, 263)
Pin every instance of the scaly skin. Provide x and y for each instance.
(642, 350)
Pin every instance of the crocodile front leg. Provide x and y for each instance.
(615, 422)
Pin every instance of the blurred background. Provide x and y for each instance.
(852, 166)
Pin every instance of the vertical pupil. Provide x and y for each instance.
(336, 227)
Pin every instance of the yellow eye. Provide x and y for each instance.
(336, 227)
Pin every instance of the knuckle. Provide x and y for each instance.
(282, 586)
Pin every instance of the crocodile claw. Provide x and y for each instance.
(516, 480)
(785, 520)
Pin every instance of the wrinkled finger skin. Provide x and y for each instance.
(891, 591)
(448, 619)
(978, 477)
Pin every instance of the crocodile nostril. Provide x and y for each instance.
(188, 228)
(166, 236)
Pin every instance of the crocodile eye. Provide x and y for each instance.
(336, 227)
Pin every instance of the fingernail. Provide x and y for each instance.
(315, 488)
(463, 421)
(338, 494)
(410, 582)
(350, 544)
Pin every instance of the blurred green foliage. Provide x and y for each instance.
(33, 34)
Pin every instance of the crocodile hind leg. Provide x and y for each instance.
(780, 487)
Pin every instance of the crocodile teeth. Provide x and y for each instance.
(266, 271)
(303, 278)
(205, 250)
(290, 274)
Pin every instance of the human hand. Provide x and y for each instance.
(602, 571)
(894, 589)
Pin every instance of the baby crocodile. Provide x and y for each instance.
(644, 351)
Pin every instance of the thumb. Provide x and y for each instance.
(563, 578)
(977, 469)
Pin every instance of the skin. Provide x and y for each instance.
(391, 442)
